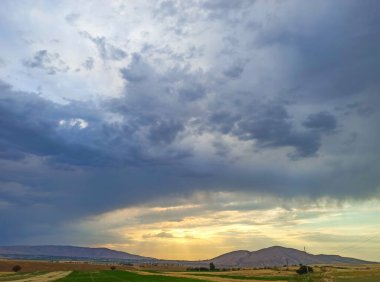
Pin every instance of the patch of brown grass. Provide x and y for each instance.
(31, 266)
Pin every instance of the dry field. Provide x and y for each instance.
(31, 265)
(35, 276)
(42, 271)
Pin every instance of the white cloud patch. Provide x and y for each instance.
(73, 123)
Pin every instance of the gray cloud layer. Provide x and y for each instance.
(286, 106)
(52, 63)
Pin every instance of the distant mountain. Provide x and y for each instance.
(68, 251)
(273, 256)
(278, 256)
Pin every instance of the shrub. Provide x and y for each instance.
(304, 269)
(16, 268)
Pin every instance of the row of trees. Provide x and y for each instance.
(203, 268)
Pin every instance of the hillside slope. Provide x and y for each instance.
(278, 256)
(68, 251)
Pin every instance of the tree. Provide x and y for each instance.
(304, 269)
(16, 268)
(212, 266)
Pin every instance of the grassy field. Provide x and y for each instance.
(256, 277)
(338, 275)
(34, 271)
(369, 273)
(117, 275)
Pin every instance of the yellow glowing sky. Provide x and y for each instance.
(204, 226)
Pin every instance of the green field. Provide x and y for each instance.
(289, 278)
(330, 274)
(109, 276)
(240, 277)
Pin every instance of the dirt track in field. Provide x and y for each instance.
(47, 277)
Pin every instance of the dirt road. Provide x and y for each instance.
(47, 277)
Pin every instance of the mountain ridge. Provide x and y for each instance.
(279, 256)
(266, 257)
(68, 251)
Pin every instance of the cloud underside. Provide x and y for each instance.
(230, 101)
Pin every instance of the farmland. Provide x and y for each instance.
(119, 275)
(42, 271)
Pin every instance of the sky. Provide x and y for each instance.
(187, 129)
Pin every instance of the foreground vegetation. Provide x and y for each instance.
(39, 271)
(332, 274)
(117, 275)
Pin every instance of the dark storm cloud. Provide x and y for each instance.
(137, 70)
(270, 126)
(11, 154)
(29, 125)
(323, 121)
(362, 109)
(279, 133)
(339, 57)
(234, 72)
(164, 131)
(74, 134)
(174, 130)
(192, 91)
(224, 121)
(50, 62)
